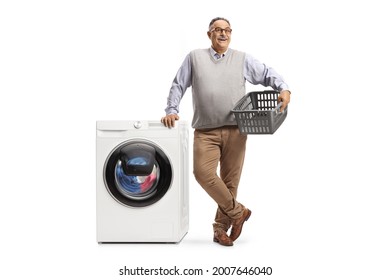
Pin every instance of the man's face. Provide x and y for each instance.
(219, 40)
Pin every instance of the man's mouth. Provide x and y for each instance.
(223, 39)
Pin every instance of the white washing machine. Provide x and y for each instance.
(142, 181)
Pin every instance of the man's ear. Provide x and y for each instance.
(209, 34)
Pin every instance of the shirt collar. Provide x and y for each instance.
(213, 53)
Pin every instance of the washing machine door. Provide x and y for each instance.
(138, 173)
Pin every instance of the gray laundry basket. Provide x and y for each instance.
(258, 112)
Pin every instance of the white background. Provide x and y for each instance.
(318, 188)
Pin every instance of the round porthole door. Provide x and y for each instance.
(138, 173)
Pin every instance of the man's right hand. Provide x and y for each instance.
(169, 120)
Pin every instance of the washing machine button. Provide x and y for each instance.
(137, 124)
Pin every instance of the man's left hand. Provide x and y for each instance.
(284, 96)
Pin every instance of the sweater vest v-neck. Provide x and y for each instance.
(217, 85)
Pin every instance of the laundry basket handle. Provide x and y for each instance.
(277, 108)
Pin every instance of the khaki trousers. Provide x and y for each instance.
(224, 146)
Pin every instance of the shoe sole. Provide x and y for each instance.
(249, 215)
(217, 241)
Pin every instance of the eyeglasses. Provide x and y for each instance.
(220, 30)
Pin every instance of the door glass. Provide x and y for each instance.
(138, 173)
(136, 187)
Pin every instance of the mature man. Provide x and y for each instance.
(217, 76)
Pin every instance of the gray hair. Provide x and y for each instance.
(217, 18)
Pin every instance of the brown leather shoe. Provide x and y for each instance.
(237, 224)
(221, 237)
